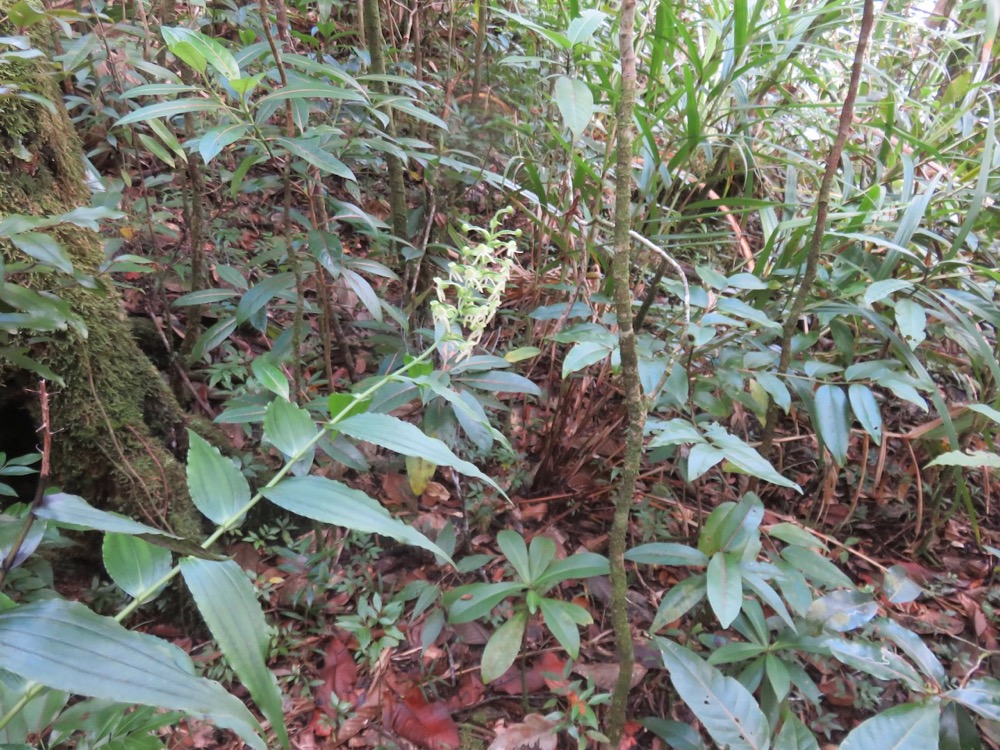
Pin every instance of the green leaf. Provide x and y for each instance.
(981, 696)
(972, 460)
(563, 619)
(208, 49)
(581, 29)
(958, 729)
(43, 248)
(312, 152)
(867, 410)
(583, 355)
(913, 646)
(701, 458)
(576, 104)
(675, 431)
(746, 458)
(218, 489)
(271, 376)
(899, 587)
(334, 502)
(834, 423)
(540, 554)
(213, 141)
(503, 647)
(477, 600)
(795, 735)
(677, 735)
(575, 567)
(667, 553)
(912, 726)
(65, 646)
(402, 437)
(843, 610)
(135, 564)
(228, 603)
(70, 509)
(497, 381)
(516, 551)
(725, 587)
(289, 428)
(678, 601)
(816, 567)
(879, 290)
(724, 707)
(169, 109)
(261, 294)
(877, 660)
(911, 318)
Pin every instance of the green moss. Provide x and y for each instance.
(118, 428)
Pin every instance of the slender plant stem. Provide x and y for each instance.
(815, 247)
(634, 401)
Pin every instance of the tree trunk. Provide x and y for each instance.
(118, 428)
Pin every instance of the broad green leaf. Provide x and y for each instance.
(503, 647)
(477, 600)
(816, 567)
(986, 411)
(576, 104)
(972, 460)
(843, 610)
(899, 587)
(879, 661)
(794, 534)
(563, 620)
(678, 601)
(777, 676)
(675, 431)
(913, 646)
(170, 109)
(583, 355)
(43, 248)
(402, 437)
(834, 423)
(70, 509)
(725, 708)
(677, 735)
(701, 458)
(879, 290)
(228, 603)
(262, 293)
(271, 376)
(958, 729)
(334, 502)
(981, 696)
(65, 646)
(221, 59)
(766, 593)
(795, 735)
(204, 297)
(667, 553)
(218, 489)
(867, 410)
(911, 318)
(725, 587)
(541, 552)
(582, 28)
(746, 458)
(912, 726)
(578, 566)
(289, 428)
(498, 381)
(312, 90)
(213, 141)
(516, 551)
(776, 389)
(135, 564)
(312, 152)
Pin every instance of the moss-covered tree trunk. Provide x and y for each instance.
(118, 427)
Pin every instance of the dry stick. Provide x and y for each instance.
(43, 476)
(634, 401)
(822, 209)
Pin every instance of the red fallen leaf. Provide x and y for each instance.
(470, 692)
(545, 671)
(426, 724)
(339, 675)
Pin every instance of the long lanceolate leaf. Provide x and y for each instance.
(723, 706)
(65, 646)
(226, 599)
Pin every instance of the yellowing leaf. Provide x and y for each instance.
(419, 473)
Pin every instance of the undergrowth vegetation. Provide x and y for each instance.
(380, 247)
